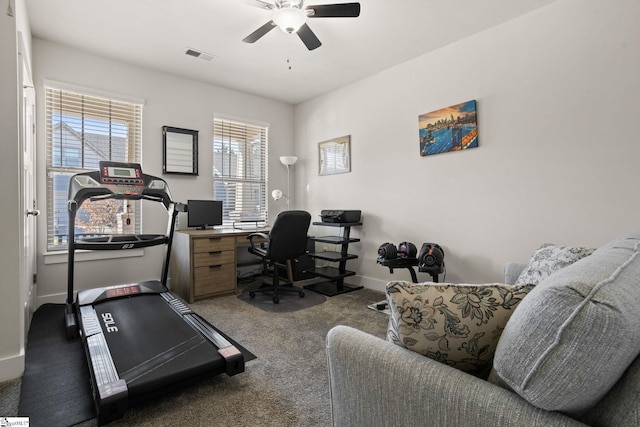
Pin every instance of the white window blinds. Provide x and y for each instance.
(81, 130)
(240, 170)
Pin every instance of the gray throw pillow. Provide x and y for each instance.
(574, 335)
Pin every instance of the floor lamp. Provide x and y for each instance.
(288, 161)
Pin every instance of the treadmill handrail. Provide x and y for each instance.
(86, 185)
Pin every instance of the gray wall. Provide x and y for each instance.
(557, 93)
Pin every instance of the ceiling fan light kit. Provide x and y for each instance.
(291, 17)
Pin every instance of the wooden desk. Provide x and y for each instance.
(204, 262)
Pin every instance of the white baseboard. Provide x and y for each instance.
(368, 282)
(12, 367)
(60, 298)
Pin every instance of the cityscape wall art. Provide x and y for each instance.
(453, 128)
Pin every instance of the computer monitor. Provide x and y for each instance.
(204, 213)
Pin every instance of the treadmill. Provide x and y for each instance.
(140, 339)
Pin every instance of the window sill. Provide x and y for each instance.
(60, 257)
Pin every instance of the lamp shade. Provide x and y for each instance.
(276, 194)
(288, 160)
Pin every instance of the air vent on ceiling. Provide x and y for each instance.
(200, 55)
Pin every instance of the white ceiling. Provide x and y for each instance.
(156, 34)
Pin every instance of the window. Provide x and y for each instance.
(240, 170)
(81, 130)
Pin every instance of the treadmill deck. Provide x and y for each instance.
(141, 338)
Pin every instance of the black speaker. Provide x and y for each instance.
(431, 257)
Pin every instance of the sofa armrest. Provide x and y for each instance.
(512, 271)
(376, 383)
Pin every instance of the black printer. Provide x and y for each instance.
(340, 216)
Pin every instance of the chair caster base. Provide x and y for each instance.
(275, 298)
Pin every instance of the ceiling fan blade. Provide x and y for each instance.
(257, 34)
(344, 10)
(308, 37)
(263, 4)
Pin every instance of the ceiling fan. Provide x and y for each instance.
(291, 17)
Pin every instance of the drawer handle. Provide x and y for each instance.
(214, 252)
(215, 266)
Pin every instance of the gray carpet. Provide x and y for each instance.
(287, 385)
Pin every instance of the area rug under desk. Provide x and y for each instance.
(56, 388)
(289, 301)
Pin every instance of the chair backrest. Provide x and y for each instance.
(288, 236)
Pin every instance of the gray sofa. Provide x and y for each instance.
(374, 382)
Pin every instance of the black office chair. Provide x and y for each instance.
(286, 241)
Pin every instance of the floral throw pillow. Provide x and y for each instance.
(548, 259)
(455, 324)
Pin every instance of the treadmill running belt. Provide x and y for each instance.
(152, 346)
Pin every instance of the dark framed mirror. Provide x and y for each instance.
(179, 150)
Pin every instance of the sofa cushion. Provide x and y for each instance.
(577, 331)
(548, 259)
(458, 325)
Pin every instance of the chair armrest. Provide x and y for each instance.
(512, 271)
(263, 237)
(377, 383)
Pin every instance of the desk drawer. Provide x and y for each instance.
(212, 258)
(212, 244)
(218, 279)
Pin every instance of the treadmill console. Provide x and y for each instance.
(122, 178)
(120, 173)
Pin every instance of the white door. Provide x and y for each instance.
(28, 193)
